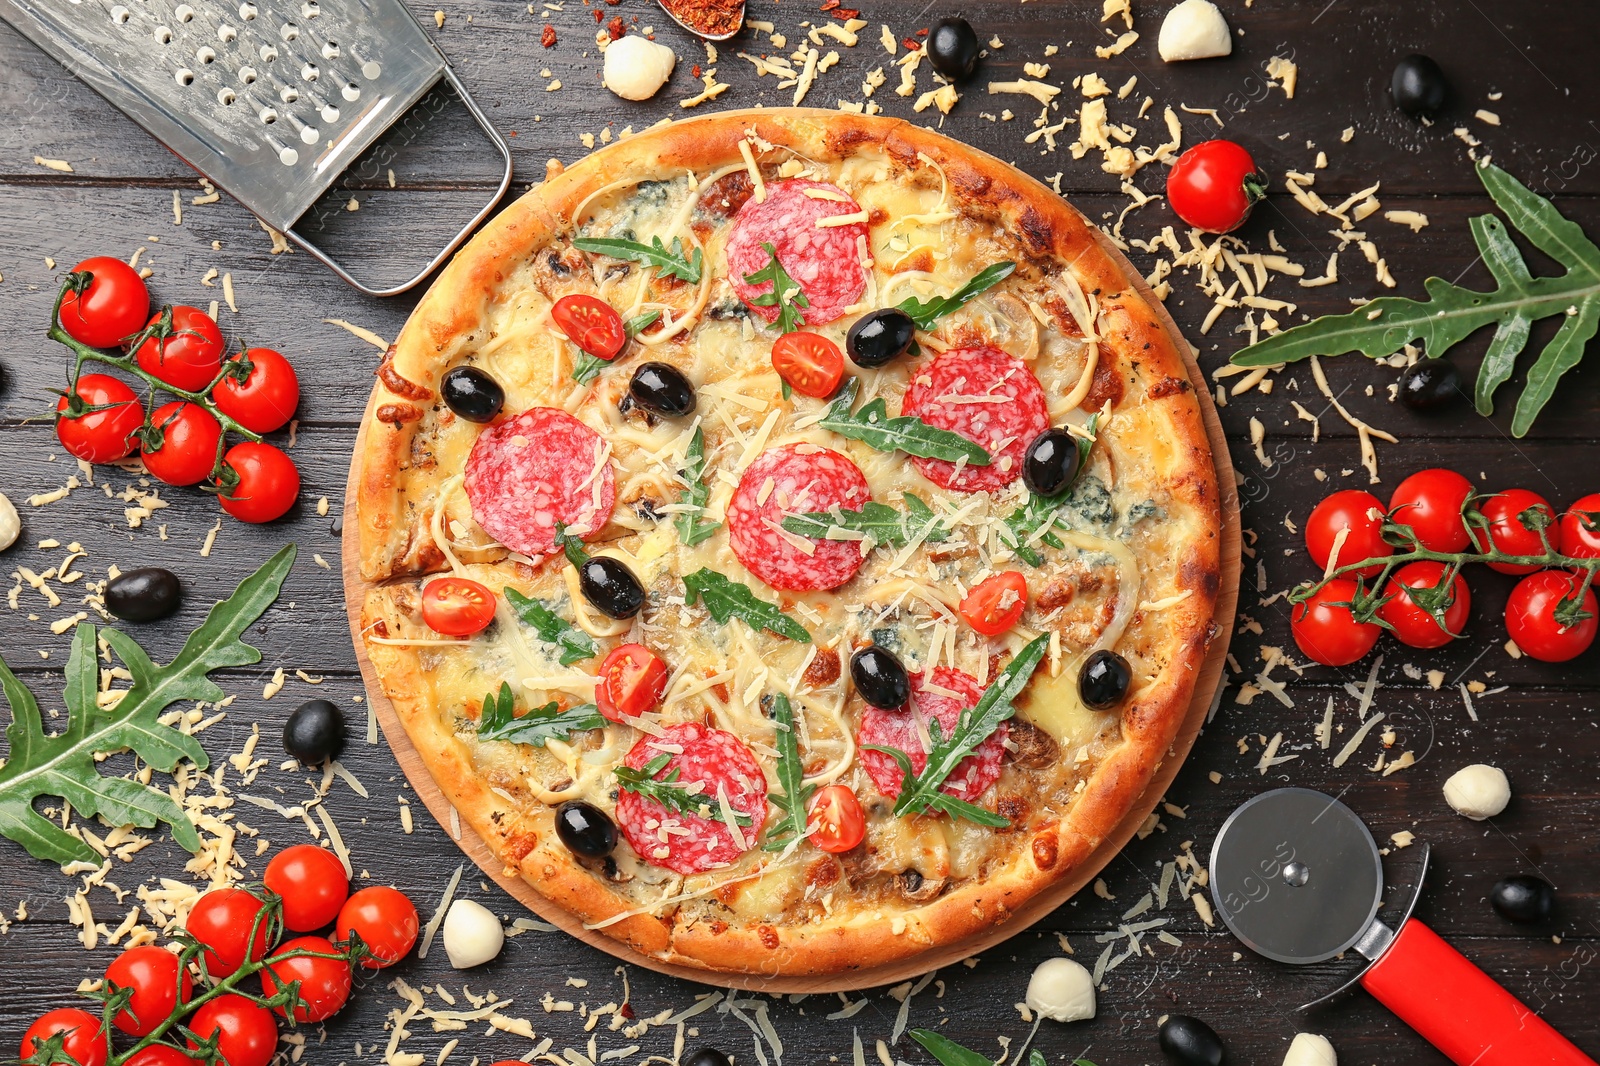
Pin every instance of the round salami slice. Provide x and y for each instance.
(542, 468)
(904, 729)
(990, 398)
(713, 763)
(824, 261)
(795, 479)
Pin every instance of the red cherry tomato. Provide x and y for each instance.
(1580, 528)
(1531, 617)
(835, 821)
(1506, 531)
(161, 1055)
(267, 397)
(189, 439)
(311, 882)
(1359, 512)
(221, 920)
(190, 355)
(267, 484)
(84, 1039)
(1430, 502)
(324, 983)
(105, 432)
(384, 919)
(1325, 629)
(632, 681)
(1414, 626)
(995, 603)
(111, 308)
(159, 984)
(247, 1035)
(591, 324)
(811, 363)
(457, 606)
(1214, 185)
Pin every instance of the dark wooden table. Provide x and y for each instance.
(1540, 54)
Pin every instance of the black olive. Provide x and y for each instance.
(585, 829)
(1051, 462)
(662, 388)
(880, 337)
(1103, 680)
(143, 595)
(880, 678)
(1429, 384)
(1189, 1041)
(953, 48)
(472, 394)
(314, 733)
(1418, 86)
(1524, 898)
(707, 1056)
(611, 587)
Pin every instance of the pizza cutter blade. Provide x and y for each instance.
(1296, 876)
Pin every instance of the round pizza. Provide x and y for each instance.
(790, 539)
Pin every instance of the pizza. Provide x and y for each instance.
(790, 540)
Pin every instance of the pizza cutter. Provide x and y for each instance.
(1296, 876)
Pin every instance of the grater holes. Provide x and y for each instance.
(286, 155)
(289, 32)
(183, 76)
(330, 50)
(370, 68)
(163, 35)
(351, 92)
(268, 115)
(183, 13)
(206, 54)
(226, 96)
(289, 94)
(227, 34)
(120, 15)
(309, 72)
(247, 11)
(267, 53)
(247, 75)
(310, 9)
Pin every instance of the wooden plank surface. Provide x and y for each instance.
(1543, 730)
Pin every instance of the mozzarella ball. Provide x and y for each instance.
(635, 67)
(1309, 1049)
(10, 523)
(1195, 29)
(472, 935)
(1061, 990)
(1478, 791)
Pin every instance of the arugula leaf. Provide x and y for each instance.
(574, 643)
(571, 547)
(500, 722)
(693, 526)
(672, 795)
(1451, 312)
(786, 294)
(879, 521)
(791, 776)
(669, 262)
(904, 433)
(926, 312)
(1042, 511)
(64, 764)
(947, 1051)
(725, 598)
(586, 367)
(640, 322)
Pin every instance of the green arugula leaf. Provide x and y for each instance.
(947, 1051)
(571, 547)
(1451, 313)
(786, 294)
(926, 312)
(587, 367)
(693, 526)
(668, 262)
(64, 764)
(791, 777)
(672, 795)
(904, 433)
(499, 720)
(1040, 512)
(725, 598)
(574, 643)
(640, 322)
(879, 521)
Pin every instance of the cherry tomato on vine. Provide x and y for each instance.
(1214, 185)
(1580, 528)
(221, 920)
(311, 882)
(1531, 617)
(110, 309)
(189, 356)
(1414, 626)
(385, 920)
(264, 480)
(835, 821)
(105, 432)
(159, 982)
(995, 603)
(83, 1042)
(457, 606)
(811, 363)
(1359, 512)
(247, 1035)
(1325, 629)
(1506, 531)
(1430, 502)
(267, 397)
(324, 983)
(632, 681)
(591, 324)
(161, 1055)
(189, 439)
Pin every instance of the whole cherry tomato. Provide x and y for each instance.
(1531, 616)
(1507, 532)
(457, 606)
(111, 308)
(1430, 502)
(1214, 185)
(384, 919)
(247, 1035)
(189, 356)
(1414, 626)
(811, 363)
(835, 821)
(189, 439)
(1580, 528)
(324, 983)
(1359, 512)
(1325, 629)
(632, 681)
(267, 397)
(161, 1055)
(159, 982)
(84, 1040)
(222, 920)
(264, 485)
(312, 884)
(996, 603)
(591, 324)
(107, 429)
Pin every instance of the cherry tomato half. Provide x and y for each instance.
(221, 920)
(267, 397)
(1414, 626)
(835, 821)
(1325, 629)
(190, 355)
(189, 439)
(84, 1040)
(311, 882)
(591, 324)
(324, 983)
(384, 919)
(457, 606)
(247, 1035)
(1430, 502)
(104, 435)
(995, 603)
(632, 681)
(161, 1055)
(809, 362)
(111, 308)
(266, 486)
(1506, 531)
(1214, 185)
(1531, 617)
(159, 982)
(1580, 528)
(1359, 512)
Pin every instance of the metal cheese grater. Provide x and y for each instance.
(269, 99)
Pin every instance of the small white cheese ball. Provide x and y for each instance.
(1478, 791)
(472, 935)
(1195, 29)
(10, 523)
(635, 67)
(1061, 990)
(1309, 1049)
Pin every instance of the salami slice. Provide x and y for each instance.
(824, 261)
(689, 843)
(795, 479)
(541, 468)
(990, 398)
(900, 729)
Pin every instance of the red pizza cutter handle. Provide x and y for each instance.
(1459, 1009)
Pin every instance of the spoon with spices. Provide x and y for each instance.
(715, 20)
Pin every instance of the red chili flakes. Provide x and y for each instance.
(845, 14)
(694, 71)
(922, 32)
(599, 16)
(615, 27)
(548, 36)
(911, 46)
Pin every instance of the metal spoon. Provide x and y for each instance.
(737, 26)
